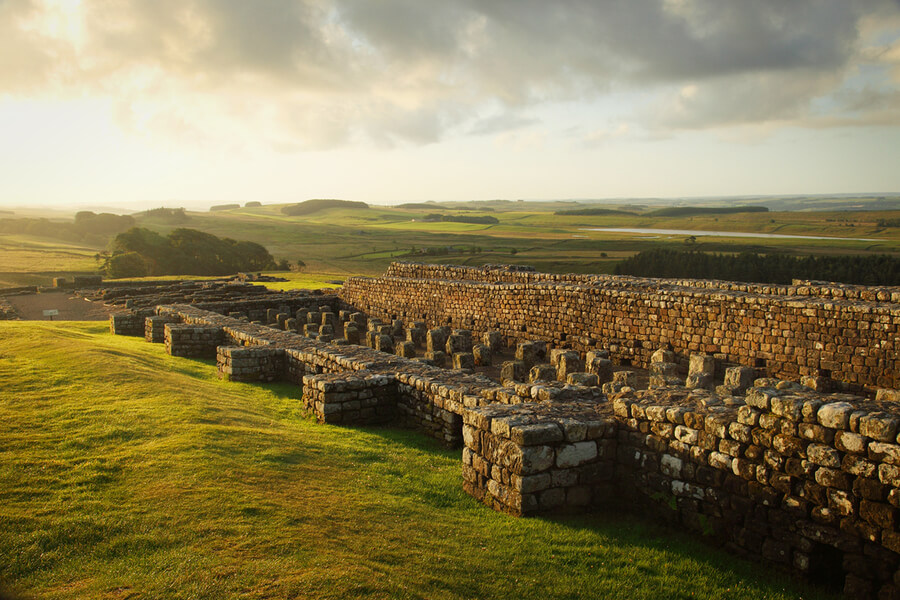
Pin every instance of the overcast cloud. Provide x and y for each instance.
(326, 73)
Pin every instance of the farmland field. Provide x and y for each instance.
(340, 242)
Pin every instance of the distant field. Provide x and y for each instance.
(346, 241)
(32, 261)
(127, 473)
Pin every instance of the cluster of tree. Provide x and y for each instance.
(479, 220)
(690, 211)
(166, 215)
(888, 222)
(594, 212)
(312, 206)
(139, 252)
(253, 204)
(88, 227)
(869, 269)
(420, 205)
(218, 207)
(443, 250)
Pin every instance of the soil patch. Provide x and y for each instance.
(31, 307)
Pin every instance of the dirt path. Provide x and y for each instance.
(31, 307)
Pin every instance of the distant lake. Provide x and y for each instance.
(738, 234)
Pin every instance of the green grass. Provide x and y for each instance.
(344, 242)
(126, 473)
(28, 260)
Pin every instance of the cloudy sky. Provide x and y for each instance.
(198, 102)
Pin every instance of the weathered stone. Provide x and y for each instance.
(702, 364)
(739, 379)
(544, 372)
(835, 415)
(482, 355)
(584, 379)
(572, 455)
(512, 370)
(879, 426)
(569, 362)
(463, 360)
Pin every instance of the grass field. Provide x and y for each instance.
(126, 473)
(342, 242)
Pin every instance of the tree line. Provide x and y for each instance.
(140, 252)
(868, 269)
(88, 227)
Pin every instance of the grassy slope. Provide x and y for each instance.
(27, 260)
(127, 473)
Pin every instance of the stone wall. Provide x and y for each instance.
(786, 331)
(128, 322)
(356, 398)
(155, 327)
(192, 340)
(254, 364)
(540, 457)
(803, 480)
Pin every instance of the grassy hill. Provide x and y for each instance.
(126, 473)
(347, 240)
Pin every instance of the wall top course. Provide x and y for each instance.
(516, 274)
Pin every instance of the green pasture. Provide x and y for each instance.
(345, 241)
(26, 260)
(126, 473)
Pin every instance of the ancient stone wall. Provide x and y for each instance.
(786, 331)
(804, 480)
(353, 398)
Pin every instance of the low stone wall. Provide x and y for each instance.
(851, 341)
(129, 323)
(533, 457)
(357, 398)
(255, 364)
(803, 480)
(193, 341)
(155, 327)
(521, 274)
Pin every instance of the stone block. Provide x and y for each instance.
(493, 340)
(584, 379)
(351, 332)
(406, 349)
(569, 362)
(439, 358)
(702, 364)
(436, 339)
(628, 378)
(542, 372)
(739, 379)
(512, 370)
(483, 355)
(457, 343)
(463, 360)
(662, 356)
(529, 353)
(573, 455)
(384, 343)
(835, 415)
(599, 366)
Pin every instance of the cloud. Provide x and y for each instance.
(322, 73)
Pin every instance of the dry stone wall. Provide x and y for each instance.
(849, 334)
(800, 479)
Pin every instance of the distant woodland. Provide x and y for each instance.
(140, 252)
(869, 269)
(88, 227)
(309, 207)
